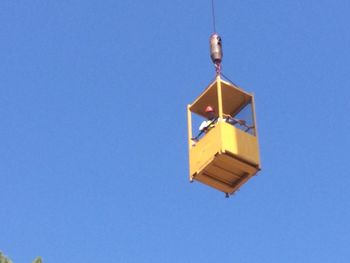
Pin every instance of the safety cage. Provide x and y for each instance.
(226, 155)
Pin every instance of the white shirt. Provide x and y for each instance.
(206, 123)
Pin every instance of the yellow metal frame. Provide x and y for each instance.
(226, 157)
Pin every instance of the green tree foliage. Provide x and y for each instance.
(37, 260)
(4, 259)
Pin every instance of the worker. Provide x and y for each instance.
(207, 124)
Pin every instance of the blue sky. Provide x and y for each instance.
(93, 131)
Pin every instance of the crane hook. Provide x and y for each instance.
(216, 51)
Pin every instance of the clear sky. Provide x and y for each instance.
(93, 156)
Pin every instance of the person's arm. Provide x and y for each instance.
(233, 121)
(202, 128)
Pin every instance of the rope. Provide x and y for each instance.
(234, 84)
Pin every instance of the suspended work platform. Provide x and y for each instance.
(226, 155)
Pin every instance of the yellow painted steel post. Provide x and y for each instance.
(218, 84)
(254, 116)
(189, 127)
(255, 125)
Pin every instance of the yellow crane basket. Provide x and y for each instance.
(227, 155)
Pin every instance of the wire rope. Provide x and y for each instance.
(213, 15)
